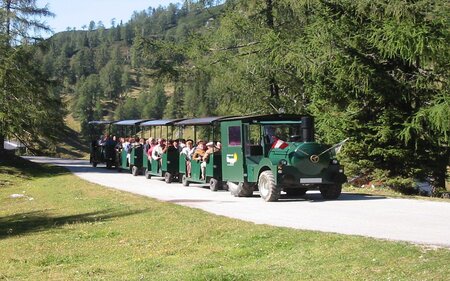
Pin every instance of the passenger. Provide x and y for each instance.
(188, 150)
(172, 146)
(146, 146)
(219, 146)
(111, 141)
(126, 146)
(181, 144)
(119, 144)
(159, 150)
(199, 151)
(210, 150)
(153, 144)
(125, 143)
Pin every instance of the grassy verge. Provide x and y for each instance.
(388, 193)
(71, 145)
(64, 228)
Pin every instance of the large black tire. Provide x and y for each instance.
(268, 189)
(168, 177)
(94, 164)
(108, 165)
(214, 184)
(224, 186)
(330, 191)
(135, 171)
(147, 174)
(295, 191)
(184, 180)
(241, 189)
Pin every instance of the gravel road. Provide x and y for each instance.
(415, 221)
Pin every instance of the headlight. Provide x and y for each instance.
(282, 162)
(335, 162)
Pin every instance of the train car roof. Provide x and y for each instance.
(199, 121)
(162, 122)
(267, 118)
(100, 122)
(131, 122)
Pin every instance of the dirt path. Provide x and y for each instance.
(416, 221)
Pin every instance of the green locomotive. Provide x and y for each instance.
(277, 152)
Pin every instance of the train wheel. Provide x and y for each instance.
(295, 191)
(224, 185)
(135, 171)
(241, 189)
(214, 184)
(94, 164)
(330, 192)
(268, 189)
(147, 174)
(184, 180)
(168, 177)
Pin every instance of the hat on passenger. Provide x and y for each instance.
(210, 143)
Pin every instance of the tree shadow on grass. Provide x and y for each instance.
(76, 145)
(24, 223)
(22, 168)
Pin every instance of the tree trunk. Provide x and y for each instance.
(8, 17)
(2, 142)
(269, 14)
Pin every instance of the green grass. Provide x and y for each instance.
(67, 229)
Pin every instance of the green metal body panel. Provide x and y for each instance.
(233, 162)
(136, 156)
(213, 168)
(155, 169)
(145, 162)
(124, 160)
(170, 163)
(182, 164)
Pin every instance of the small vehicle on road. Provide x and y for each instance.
(277, 152)
(101, 145)
(130, 158)
(213, 165)
(167, 166)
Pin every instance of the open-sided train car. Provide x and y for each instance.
(101, 146)
(167, 167)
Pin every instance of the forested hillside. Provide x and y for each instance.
(374, 71)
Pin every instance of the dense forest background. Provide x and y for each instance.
(375, 71)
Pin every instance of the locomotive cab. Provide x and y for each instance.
(277, 152)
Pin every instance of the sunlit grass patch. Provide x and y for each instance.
(74, 230)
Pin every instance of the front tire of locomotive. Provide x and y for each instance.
(147, 174)
(214, 184)
(241, 189)
(168, 177)
(330, 192)
(184, 180)
(108, 165)
(268, 189)
(295, 191)
(94, 164)
(135, 171)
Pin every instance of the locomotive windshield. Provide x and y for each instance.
(285, 132)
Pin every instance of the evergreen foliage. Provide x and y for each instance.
(375, 71)
(30, 103)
